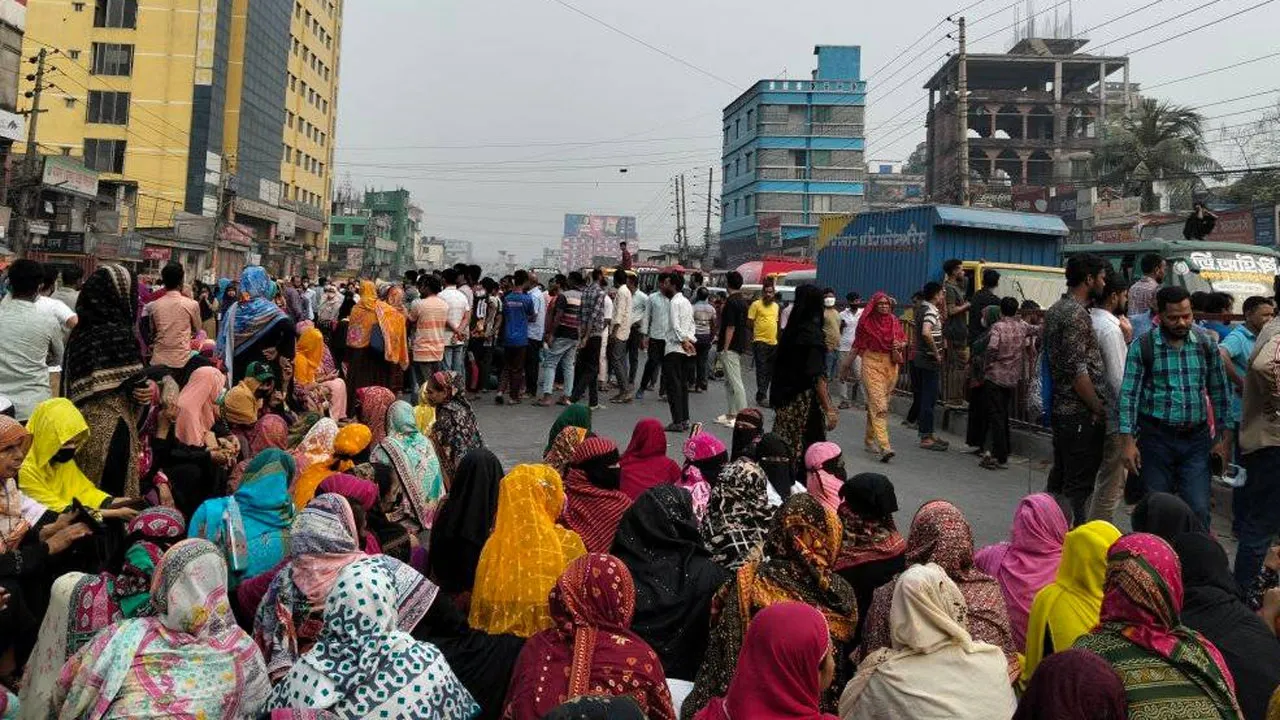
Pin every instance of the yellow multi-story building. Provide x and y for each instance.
(213, 107)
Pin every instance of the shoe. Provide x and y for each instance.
(844, 405)
(563, 401)
(625, 399)
(933, 444)
(513, 401)
(678, 427)
(727, 423)
(546, 401)
(597, 406)
(887, 456)
(498, 400)
(639, 394)
(722, 419)
(991, 463)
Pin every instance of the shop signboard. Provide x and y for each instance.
(68, 176)
(1265, 220)
(61, 241)
(1117, 211)
(1030, 198)
(1233, 226)
(157, 254)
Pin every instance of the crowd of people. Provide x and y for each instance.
(267, 498)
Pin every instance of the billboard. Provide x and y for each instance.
(600, 227)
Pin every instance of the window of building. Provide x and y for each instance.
(726, 175)
(339, 229)
(737, 128)
(104, 155)
(820, 158)
(288, 154)
(108, 107)
(751, 120)
(799, 158)
(115, 13)
(288, 119)
(822, 113)
(73, 54)
(357, 230)
(724, 210)
(749, 157)
(112, 59)
(737, 166)
(820, 203)
(77, 6)
(293, 83)
(749, 204)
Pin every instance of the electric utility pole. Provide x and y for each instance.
(31, 163)
(962, 112)
(684, 222)
(706, 234)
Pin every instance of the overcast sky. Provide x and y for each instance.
(474, 106)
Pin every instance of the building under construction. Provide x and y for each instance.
(1035, 115)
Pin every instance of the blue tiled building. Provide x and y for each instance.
(793, 152)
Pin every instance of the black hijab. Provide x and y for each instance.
(659, 542)
(747, 427)
(774, 455)
(102, 351)
(465, 521)
(802, 349)
(589, 707)
(1165, 515)
(870, 495)
(1213, 605)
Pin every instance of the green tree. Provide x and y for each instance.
(1158, 141)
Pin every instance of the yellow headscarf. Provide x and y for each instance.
(309, 356)
(240, 404)
(54, 423)
(350, 441)
(524, 556)
(424, 413)
(1069, 607)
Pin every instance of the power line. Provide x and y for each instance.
(1118, 18)
(1167, 20)
(483, 146)
(651, 46)
(1197, 29)
(1214, 70)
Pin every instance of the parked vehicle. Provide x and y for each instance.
(1041, 284)
(897, 251)
(1241, 270)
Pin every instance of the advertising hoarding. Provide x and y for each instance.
(600, 227)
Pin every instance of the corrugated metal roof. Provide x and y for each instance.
(1004, 220)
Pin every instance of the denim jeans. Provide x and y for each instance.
(927, 393)
(1077, 454)
(1261, 518)
(1177, 461)
(455, 359)
(562, 353)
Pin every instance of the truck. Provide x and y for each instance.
(898, 251)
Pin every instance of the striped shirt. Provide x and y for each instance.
(1180, 377)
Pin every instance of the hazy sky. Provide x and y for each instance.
(475, 106)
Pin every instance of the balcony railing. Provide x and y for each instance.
(838, 129)
(790, 128)
(828, 174)
(766, 172)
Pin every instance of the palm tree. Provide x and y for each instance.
(1156, 142)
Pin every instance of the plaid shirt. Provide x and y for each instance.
(1175, 392)
(593, 319)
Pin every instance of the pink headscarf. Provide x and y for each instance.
(821, 484)
(329, 530)
(1029, 561)
(196, 405)
(702, 446)
(777, 673)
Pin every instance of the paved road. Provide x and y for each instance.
(517, 434)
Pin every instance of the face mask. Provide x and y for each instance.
(829, 302)
(839, 471)
(63, 455)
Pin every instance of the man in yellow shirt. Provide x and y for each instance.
(763, 316)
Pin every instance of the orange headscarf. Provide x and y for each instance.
(309, 357)
(349, 442)
(391, 321)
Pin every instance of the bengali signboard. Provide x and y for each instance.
(1234, 226)
(1266, 218)
(69, 176)
(157, 254)
(1117, 211)
(1030, 198)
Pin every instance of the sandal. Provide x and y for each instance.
(887, 456)
(933, 444)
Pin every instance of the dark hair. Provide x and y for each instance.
(703, 293)
(71, 274)
(1220, 302)
(1200, 301)
(450, 276)
(1150, 262)
(1252, 303)
(322, 281)
(560, 279)
(521, 278)
(676, 279)
(828, 291)
(696, 276)
(990, 278)
(474, 273)
(410, 275)
(25, 277)
(431, 284)
(1171, 295)
(1009, 306)
(489, 284)
(620, 277)
(930, 290)
(733, 279)
(852, 298)
(597, 274)
(1030, 305)
(172, 275)
(950, 266)
(48, 276)
(1084, 266)
(1115, 286)
(575, 279)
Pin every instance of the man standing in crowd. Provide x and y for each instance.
(1259, 506)
(983, 299)
(763, 315)
(849, 365)
(410, 287)
(31, 338)
(625, 262)
(69, 293)
(173, 319)
(587, 369)
(1006, 358)
(658, 319)
(955, 330)
(639, 308)
(1108, 317)
(733, 343)
(1142, 295)
(66, 316)
(537, 331)
(620, 335)
(831, 338)
(679, 347)
(561, 347)
(458, 320)
(430, 316)
(517, 313)
(1163, 419)
(1075, 364)
(1237, 348)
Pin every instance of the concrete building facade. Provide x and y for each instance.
(793, 153)
(1035, 117)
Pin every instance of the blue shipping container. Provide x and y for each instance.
(898, 251)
